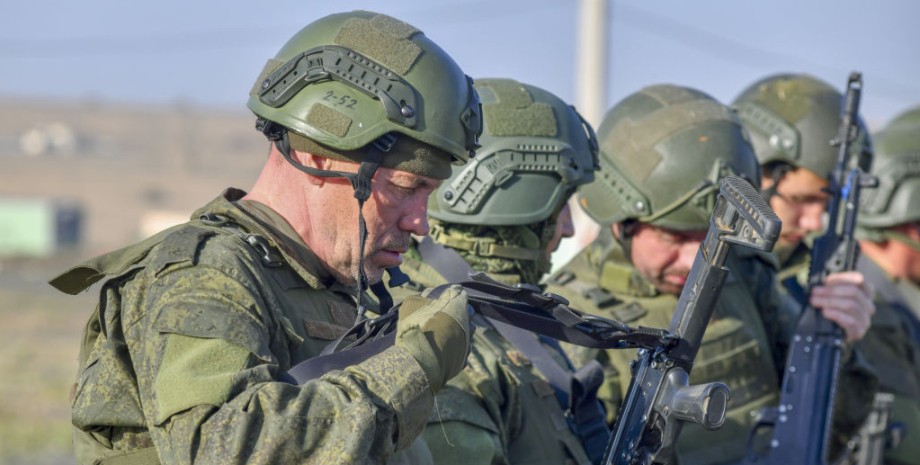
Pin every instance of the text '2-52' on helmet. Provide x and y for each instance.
(896, 200)
(793, 118)
(348, 79)
(536, 150)
(663, 152)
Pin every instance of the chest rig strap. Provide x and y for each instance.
(269, 256)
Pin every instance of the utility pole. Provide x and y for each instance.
(593, 31)
(593, 38)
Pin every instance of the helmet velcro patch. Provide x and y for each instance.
(536, 120)
(328, 119)
(516, 114)
(795, 97)
(646, 133)
(384, 39)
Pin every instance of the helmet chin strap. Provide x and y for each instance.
(627, 229)
(776, 174)
(361, 183)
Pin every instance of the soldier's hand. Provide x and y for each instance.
(845, 298)
(437, 333)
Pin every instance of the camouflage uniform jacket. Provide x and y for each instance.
(892, 347)
(744, 345)
(499, 409)
(194, 330)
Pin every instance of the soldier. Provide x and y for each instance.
(889, 221)
(185, 359)
(792, 119)
(663, 152)
(503, 214)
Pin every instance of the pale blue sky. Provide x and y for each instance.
(208, 53)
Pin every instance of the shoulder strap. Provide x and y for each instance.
(80, 277)
(317, 366)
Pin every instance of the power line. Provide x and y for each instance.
(744, 54)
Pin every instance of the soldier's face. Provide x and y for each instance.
(664, 257)
(564, 228)
(396, 209)
(912, 255)
(799, 202)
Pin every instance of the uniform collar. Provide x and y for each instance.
(260, 219)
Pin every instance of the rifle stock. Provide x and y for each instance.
(660, 398)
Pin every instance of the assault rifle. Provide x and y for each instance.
(802, 421)
(660, 398)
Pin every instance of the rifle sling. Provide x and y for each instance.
(317, 366)
(497, 304)
(454, 268)
(576, 392)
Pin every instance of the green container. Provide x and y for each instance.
(37, 227)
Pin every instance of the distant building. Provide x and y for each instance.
(120, 167)
(32, 228)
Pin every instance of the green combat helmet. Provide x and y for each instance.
(663, 152)
(792, 119)
(355, 86)
(347, 79)
(536, 150)
(897, 165)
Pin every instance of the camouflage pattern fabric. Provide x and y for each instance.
(533, 237)
(193, 332)
(742, 347)
(499, 409)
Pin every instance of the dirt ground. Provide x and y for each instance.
(39, 339)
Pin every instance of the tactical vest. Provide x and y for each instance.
(735, 348)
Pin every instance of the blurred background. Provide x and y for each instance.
(118, 119)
